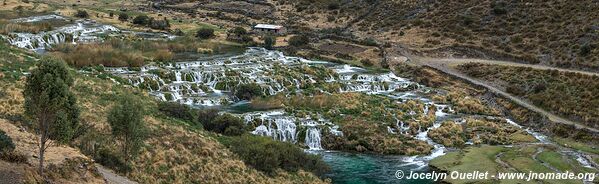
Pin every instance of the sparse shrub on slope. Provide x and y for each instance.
(6, 143)
(268, 155)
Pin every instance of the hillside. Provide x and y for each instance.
(555, 33)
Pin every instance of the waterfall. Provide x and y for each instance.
(313, 138)
(285, 130)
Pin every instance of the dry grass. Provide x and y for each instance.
(63, 164)
(82, 55)
(174, 152)
(37, 27)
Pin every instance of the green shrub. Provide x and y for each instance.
(206, 116)
(205, 33)
(112, 160)
(333, 6)
(299, 40)
(81, 14)
(13, 156)
(268, 155)
(499, 8)
(585, 50)
(141, 20)
(248, 91)
(178, 110)
(226, 124)
(239, 31)
(367, 62)
(269, 41)
(123, 17)
(6, 144)
(163, 24)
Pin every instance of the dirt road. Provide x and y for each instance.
(111, 177)
(445, 65)
(455, 62)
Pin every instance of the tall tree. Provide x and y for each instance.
(50, 104)
(126, 120)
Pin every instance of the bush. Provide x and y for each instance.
(269, 41)
(112, 160)
(268, 155)
(499, 8)
(81, 14)
(226, 124)
(299, 40)
(159, 24)
(206, 116)
(205, 33)
(333, 6)
(248, 91)
(6, 144)
(239, 31)
(367, 62)
(141, 20)
(123, 17)
(13, 156)
(585, 50)
(178, 110)
(369, 42)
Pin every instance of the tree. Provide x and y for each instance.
(123, 17)
(50, 104)
(299, 40)
(81, 14)
(269, 41)
(248, 91)
(205, 33)
(226, 124)
(141, 20)
(239, 31)
(126, 121)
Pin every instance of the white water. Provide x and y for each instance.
(81, 31)
(269, 69)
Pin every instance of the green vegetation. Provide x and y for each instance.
(573, 95)
(568, 142)
(177, 110)
(299, 40)
(127, 124)
(6, 143)
(268, 155)
(269, 41)
(226, 124)
(556, 160)
(362, 118)
(141, 20)
(248, 91)
(144, 20)
(123, 16)
(81, 14)
(205, 33)
(51, 105)
(468, 160)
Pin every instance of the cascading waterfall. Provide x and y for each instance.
(82, 31)
(216, 76)
(313, 138)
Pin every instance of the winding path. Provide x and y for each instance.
(445, 65)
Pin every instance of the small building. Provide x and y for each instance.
(269, 28)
